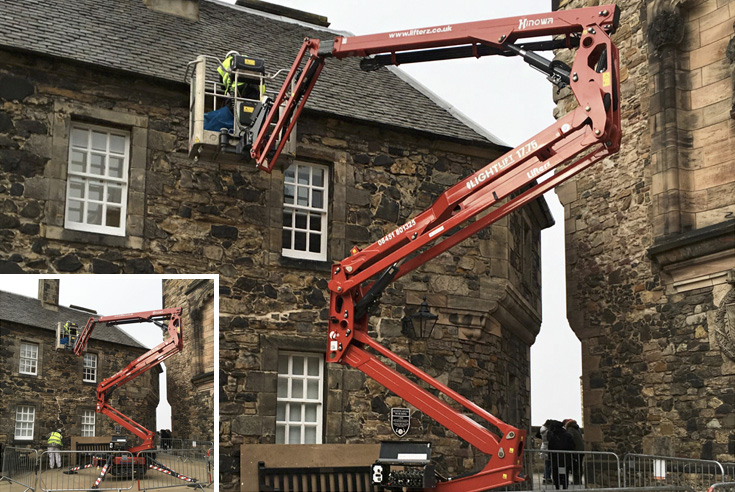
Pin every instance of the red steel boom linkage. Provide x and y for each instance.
(171, 346)
(586, 135)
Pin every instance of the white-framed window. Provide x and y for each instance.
(89, 369)
(88, 423)
(28, 358)
(25, 415)
(300, 400)
(97, 179)
(305, 193)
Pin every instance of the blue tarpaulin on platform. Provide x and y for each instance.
(218, 119)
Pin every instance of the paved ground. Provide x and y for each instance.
(55, 479)
(8, 487)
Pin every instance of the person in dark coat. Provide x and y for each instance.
(573, 428)
(560, 440)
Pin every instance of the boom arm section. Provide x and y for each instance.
(586, 135)
(155, 356)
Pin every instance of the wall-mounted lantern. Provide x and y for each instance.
(421, 323)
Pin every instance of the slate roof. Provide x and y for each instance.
(125, 35)
(28, 311)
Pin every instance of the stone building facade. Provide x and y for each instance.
(650, 241)
(43, 388)
(190, 374)
(372, 150)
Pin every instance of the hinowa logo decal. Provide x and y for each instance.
(526, 22)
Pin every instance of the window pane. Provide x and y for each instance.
(298, 365)
(315, 222)
(282, 388)
(312, 389)
(79, 137)
(294, 435)
(297, 388)
(281, 412)
(317, 198)
(286, 239)
(114, 193)
(294, 412)
(310, 435)
(282, 364)
(289, 176)
(315, 242)
(76, 188)
(288, 194)
(314, 364)
(300, 241)
(99, 141)
(78, 161)
(74, 210)
(300, 220)
(117, 144)
(310, 414)
(304, 175)
(113, 217)
(97, 164)
(317, 176)
(115, 168)
(96, 190)
(280, 435)
(303, 197)
(287, 218)
(94, 213)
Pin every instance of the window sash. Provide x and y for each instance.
(307, 190)
(299, 418)
(88, 421)
(24, 418)
(28, 359)
(89, 369)
(111, 185)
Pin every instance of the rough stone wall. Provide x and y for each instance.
(58, 393)
(277, 304)
(190, 374)
(655, 380)
(188, 216)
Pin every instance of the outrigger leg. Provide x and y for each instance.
(155, 465)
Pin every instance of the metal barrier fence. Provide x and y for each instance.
(575, 469)
(20, 465)
(640, 470)
(84, 470)
(162, 443)
(177, 467)
(722, 487)
(729, 471)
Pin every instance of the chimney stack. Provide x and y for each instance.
(48, 293)
(188, 9)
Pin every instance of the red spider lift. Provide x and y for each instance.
(586, 135)
(122, 465)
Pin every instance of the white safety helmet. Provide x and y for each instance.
(232, 52)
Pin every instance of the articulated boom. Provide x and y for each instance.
(171, 346)
(589, 133)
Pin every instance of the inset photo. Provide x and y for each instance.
(107, 382)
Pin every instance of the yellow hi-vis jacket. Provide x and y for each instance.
(227, 79)
(54, 440)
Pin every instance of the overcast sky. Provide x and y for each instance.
(108, 294)
(513, 102)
